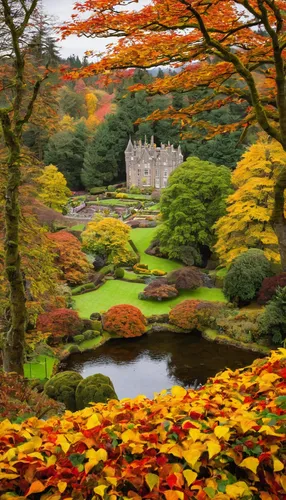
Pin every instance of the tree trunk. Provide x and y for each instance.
(13, 358)
(278, 220)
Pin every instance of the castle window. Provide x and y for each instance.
(157, 172)
(165, 173)
(139, 171)
(146, 171)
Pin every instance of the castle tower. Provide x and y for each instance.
(148, 165)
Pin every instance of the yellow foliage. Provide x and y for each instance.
(108, 236)
(91, 103)
(246, 224)
(54, 192)
(67, 123)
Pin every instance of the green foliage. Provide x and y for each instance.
(245, 275)
(273, 320)
(72, 103)
(78, 339)
(191, 204)
(96, 388)
(119, 273)
(90, 334)
(97, 190)
(62, 387)
(66, 150)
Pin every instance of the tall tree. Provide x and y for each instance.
(213, 41)
(16, 109)
(246, 223)
(192, 202)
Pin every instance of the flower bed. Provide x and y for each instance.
(223, 442)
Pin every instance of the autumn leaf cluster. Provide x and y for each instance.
(224, 442)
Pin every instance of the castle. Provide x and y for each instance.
(149, 165)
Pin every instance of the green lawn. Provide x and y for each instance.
(78, 227)
(112, 202)
(115, 292)
(128, 275)
(154, 207)
(40, 368)
(142, 239)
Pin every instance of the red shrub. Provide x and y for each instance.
(125, 320)
(186, 278)
(185, 315)
(195, 314)
(159, 290)
(60, 323)
(18, 399)
(269, 287)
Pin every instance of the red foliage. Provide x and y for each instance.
(104, 107)
(125, 320)
(159, 289)
(18, 399)
(186, 278)
(185, 315)
(195, 314)
(70, 259)
(60, 323)
(269, 287)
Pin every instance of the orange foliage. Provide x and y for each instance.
(124, 320)
(213, 44)
(69, 257)
(224, 441)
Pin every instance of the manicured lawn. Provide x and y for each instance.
(41, 367)
(154, 207)
(142, 239)
(139, 196)
(78, 227)
(112, 202)
(115, 292)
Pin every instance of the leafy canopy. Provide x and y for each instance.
(238, 57)
(109, 238)
(54, 191)
(191, 204)
(247, 222)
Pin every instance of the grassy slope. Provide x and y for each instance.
(120, 292)
(39, 368)
(142, 239)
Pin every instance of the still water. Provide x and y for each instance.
(157, 361)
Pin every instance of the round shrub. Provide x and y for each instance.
(95, 316)
(187, 278)
(269, 287)
(90, 334)
(119, 273)
(62, 387)
(158, 272)
(96, 388)
(195, 314)
(245, 275)
(159, 290)
(184, 315)
(272, 321)
(121, 195)
(156, 195)
(60, 323)
(78, 339)
(125, 320)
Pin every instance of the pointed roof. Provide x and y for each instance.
(129, 148)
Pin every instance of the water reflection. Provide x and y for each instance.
(151, 363)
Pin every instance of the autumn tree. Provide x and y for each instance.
(53, 188)
(69, 258)
(19, 97)
(234, 48)
(247, 221)
(109, 238)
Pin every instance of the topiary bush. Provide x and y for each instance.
(125, 320)
(159, 290)
(119, 273)
(62, 387)
(245, 276)
(269, 287)
(90, 334)
(272, 321)
(158, 272)
(156, 195)
(97, 190)
(187, 278)
(240, 326)
(60, 323)
(96, 388)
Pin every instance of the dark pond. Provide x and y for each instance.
(150, 363)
